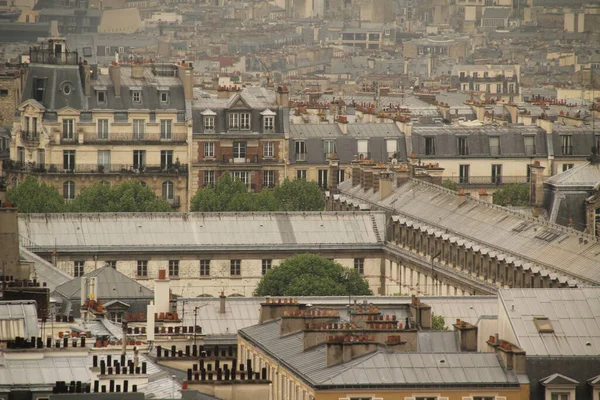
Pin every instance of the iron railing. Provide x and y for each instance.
(172, 169)
(486, 180)
(39, 55)
(130, 137)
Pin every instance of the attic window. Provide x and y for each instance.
(101, 94)
(137, 97)
(543, 324)
(164, 97)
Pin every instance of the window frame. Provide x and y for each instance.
(102, 130)
(166, 129)
(78, 268)
(359, 265)
(268, 149)
(266, 265)
(235, 267)
(173, 268)
(168, 190)
(429, 146)
(269, 178)
(269, 123)
(69, 190)
(142, 266)
(68, 128)
(209, 178)
(205, 267)
(209, 123)
(136, 97)
(209, 149)
(139, 128)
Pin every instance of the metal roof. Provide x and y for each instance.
(44, 271)
(18, 318)
(438, 342)
(242, 312)
(43, 371)
(573, 313)
(120, 231)
(379, 368)
(495, 227)
(586, 174)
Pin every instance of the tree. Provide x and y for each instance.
(125, 197)
(438, 323)
(311, 275)
(299, 195)
(449, 184)
(232, 195)
(516, 195)
(31, 196)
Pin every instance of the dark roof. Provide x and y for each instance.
(111, 284)
(496, 13)
(54, 78)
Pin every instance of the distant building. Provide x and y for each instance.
(496, 81)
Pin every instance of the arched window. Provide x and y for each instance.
(69, 190)
(168, 190)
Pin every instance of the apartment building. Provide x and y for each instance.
(457, 48)
(241, 132)
(78, 126)
(496, 81)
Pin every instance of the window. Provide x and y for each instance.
(359, 265)
(103, 160)
(426, 398)
(103, 129)
(235, 267)
(69, 190)
(245, 121)
(21, 154)
(209, 178)
(142, 268)
(101, 96)
(209, 149)
(165, 129)
(139, 159)
(529, 145)
(498, 88)
(266, 266)
(328, 147)
(41, 157)
(107, 50)
(463, 147)
(567, 145)
(69, 129)
(494, 146)
(242, 176)
(34, 124)
(463, 173)
(174, 268)
(166, 159)
(268, 150)
(566, 167)
(68, 160)
(234, 121)
(477, 87)
(138, 129)
(204, 267)
(209, 123)
(112, 264)
(239, 151)
(363, 149)
(301, 174)
(269, 124)
(300, 150)
(483, 397)
(78, 269)
(39, 85)
(497, 174)
(27, 124)
(341, 175)
(168, 190)
(137, 97)
(116, 316)
(391, 147)
(429, 146)
(268, 179)
(164, 97)
(560, 396)
(322, 175)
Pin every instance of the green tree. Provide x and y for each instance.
(449, 184)
(438, 323)
(516, 195)
(300, 195)
(125, 197)
(31, 196)
(232, 195)
(311, 275)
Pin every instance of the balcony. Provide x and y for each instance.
(39, 55)
(4, 154)
(30, 138)
(300, 157)
(173, 169)
(485, 181)
(131, 138)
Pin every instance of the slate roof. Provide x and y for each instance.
(573, 313)
(242, 312)
(495, 229)
(586, 174)
(111, 284)
(18, 318)
(496, 13)
(44, 271)
(380, 368)
(157, 232)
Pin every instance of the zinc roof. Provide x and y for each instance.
(18, 318)
(195, 230)
(43, 371)
(573, 313)
(582, 175)
(44, 271)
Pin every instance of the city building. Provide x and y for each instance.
(77, 125)
(495, 81)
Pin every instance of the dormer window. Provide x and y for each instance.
(101, 97)
(164, 98)
(268, 120)
(239, 121)
(208, 118)
(137, 97)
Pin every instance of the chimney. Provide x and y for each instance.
(150, 310)
(84, 74)
(342, 349)
(485, 196)
(386, 184)
(297, 320)
(367, 179)
(402, 173)
(137, 71)
(274, 308)
(54, 33)
(420, 313)
(222, 298)
(334, 168)
(114, 71)
(282, 96)
(162, 292)
(186, 76)
(467, 335)
(545, 124)
(9, 237)
(356, 173)
(343, 124)
(537, 184)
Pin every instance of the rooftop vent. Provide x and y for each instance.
(543, 324)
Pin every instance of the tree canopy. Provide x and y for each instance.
(311, 275)
(128, 196)
(516, 195)
(31, 196)
(438, 323)
(231, 194)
